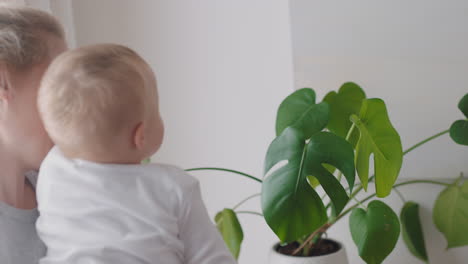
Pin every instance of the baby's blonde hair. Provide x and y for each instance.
(91, 98)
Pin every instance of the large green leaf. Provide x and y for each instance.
(343, 104)
(377, 137)
(459, 129)
(412, 230)
(450, 214)
(290, 206)
(231, 230)
(375, 231)
(299, 110)
(327, 148)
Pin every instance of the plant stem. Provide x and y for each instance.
(354, 206)
(355, 192)
(306, 251)
(426, 140)
(394, 186)
(350, 131)
(249, 212)
(245, 200)
(324, 228)
(227, 170)
(400, 195)
(421, 181)
(321, 229)
(359, 203)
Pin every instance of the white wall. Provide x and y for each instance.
(412, 54)
(223, 67)
(62, 10)
(15, 2)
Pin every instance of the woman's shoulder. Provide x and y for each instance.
(19, 241)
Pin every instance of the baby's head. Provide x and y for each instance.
(100, 103)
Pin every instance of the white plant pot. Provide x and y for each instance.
(338, 257)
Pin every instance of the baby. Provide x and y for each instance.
(97, 203)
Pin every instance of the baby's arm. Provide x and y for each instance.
(202, 241)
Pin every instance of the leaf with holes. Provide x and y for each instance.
(378, 137)
(300, 111)
(291, 207)
(375, 231)
(230, 229)
(459, 129)
(342, 105)
(328, 148)
(412, 232)
(450, 214)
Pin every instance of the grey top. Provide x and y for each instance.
(19, 243)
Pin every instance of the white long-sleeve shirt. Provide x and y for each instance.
(94, 213)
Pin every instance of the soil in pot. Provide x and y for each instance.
(321, 248)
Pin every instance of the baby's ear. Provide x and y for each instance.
(139, 136)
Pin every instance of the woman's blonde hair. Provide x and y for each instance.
(24, 36)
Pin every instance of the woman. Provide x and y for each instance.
(29, 40)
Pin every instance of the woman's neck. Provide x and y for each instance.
(14, 188)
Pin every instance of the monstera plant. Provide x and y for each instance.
(326, 147)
